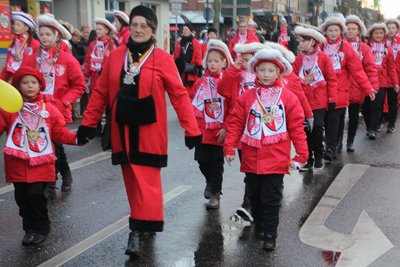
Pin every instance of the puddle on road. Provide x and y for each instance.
(331, 257)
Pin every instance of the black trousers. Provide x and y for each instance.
(372, 110)
(332, 121)
(62, 165)
(392, 103)
(32, 202)
(211, 164)
(265, 194)
(315, 139)
(353, 111)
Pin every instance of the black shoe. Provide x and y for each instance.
(67, 181)
(380, 127)
(391, 129)
(39, 238)
(350, 147)
(207, 191)
(133, 248)
(318, 164)
(245, 214)
(269, 242)
(372, 135)
(308, 166)
(29, 235)
(329, 154)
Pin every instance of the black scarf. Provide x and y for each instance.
(137, 49)
(185, 56)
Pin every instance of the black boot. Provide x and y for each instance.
(29, 235)
(350, 144)
(133, 248)
(39, 237)
(66, 181)
(269, 242)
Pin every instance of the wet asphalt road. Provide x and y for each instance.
(194, 236)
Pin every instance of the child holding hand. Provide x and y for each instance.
(266, 120)
(29, 152)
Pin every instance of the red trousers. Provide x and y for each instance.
(144, 190)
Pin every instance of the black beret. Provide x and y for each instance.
(145, 12)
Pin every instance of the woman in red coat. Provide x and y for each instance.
(29, 154)
(315, 70)
(243, 36)
(188, 58)
(385, 63)
(266, 120)
(99, 51)
(133, 83)
(122, 26)
(64, 80)
(347, 65)
(356, 29)
(22, 45)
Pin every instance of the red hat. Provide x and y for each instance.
(26, 70)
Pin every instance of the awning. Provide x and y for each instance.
(195, 17)
(173, 28)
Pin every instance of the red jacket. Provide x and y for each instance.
(357, 93)
(250, 38)
(18, 170)
(294, 85)
(30, 50)
(196, 57)
(88, 73)
(350, 67)
(387, 70)
(152, 138)
(209, 136)
(324, 92)
(69, 83)
(272, 158)
(123, 36)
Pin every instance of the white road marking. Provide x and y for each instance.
(365, 244)
(103, 234)
(73, 166)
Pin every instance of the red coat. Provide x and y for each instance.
(123, 36)
(209, 136)
(88, 73)
(196, 57)
(18, 170)
(152, 138)
(294, 85)
(250, 38)
(357, 93)
(30, 50)
(387, 71)
(272, 158)
(69, 83)
(325, 92)
(350, 67)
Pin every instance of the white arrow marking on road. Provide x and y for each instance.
(365, 244)
(73, 166)
(106, 232)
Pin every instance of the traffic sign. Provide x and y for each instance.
(208, 14)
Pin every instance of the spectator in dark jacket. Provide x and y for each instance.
(77, 49)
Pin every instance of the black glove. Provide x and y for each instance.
(85, 134)
(331, 106)
(199, 71)
(192, 141)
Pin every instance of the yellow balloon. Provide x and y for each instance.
(10, 98)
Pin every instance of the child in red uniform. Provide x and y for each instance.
(266, 120)
(211, 110)
(29, 154)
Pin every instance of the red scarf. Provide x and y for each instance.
(379, 50)
(356, 44)
(395, 44)
(17, 52)
(332, 49)
(101, 49)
